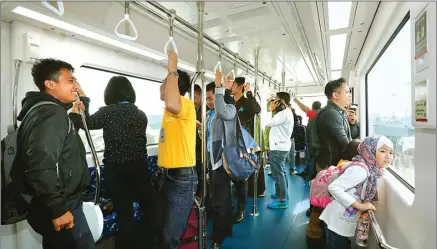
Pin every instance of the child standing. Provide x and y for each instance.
(341, 215)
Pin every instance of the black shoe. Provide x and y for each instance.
(239, 216)
(303, 174)
(308, 212)
(216, 246)
(263, 194)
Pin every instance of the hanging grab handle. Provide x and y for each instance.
(171, 45)
(219, 65)
(234, 69)
(58, 11)
(131, 24)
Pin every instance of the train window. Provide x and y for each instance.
(388, 98)
(94, 80)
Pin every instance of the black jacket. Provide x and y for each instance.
(247, 108)
(334, 134)
(355, 130)
(124, 130)
(52, 153)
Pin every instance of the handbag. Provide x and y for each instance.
(240, 159)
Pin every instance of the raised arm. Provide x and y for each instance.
(223, 110)
(173, 102)
(301, 105)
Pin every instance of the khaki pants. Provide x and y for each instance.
(314, 228)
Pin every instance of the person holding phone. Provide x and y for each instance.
(353, 121)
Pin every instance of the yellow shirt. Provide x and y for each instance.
(177, 138)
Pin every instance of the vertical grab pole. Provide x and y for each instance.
(255, 177)
(18, 64)
(283, 79)
(200, 70)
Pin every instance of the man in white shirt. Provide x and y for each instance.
(279, 142)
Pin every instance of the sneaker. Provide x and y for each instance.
(273, 196)
(278, 205)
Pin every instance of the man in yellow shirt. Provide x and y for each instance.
(177, 153)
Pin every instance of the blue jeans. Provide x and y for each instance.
(279, 173)
(292, 155)
(179, 190)
(79, 237)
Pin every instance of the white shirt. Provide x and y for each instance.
(339, 215)
(281, 129)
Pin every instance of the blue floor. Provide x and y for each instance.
(273, 229)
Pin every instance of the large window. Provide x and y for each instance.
(388, 98)
(148, 100)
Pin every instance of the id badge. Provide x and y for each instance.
(161, 135)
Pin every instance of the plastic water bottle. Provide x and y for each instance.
(363, 228)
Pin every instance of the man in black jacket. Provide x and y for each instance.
(53, 155)
(247, 107)
(332, 125)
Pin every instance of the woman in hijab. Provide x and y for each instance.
(355, 189)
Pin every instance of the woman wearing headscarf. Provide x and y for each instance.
(355, 189)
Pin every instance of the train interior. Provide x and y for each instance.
(295, 47)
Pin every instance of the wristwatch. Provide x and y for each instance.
(174, 74)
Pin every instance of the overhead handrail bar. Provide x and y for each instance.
(219, 65)
(171, 41)
(378, 232)
(161, 8)
(128, 20)
(58, 11)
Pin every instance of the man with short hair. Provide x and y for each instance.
(177, 153)
(55, 170)
(332, 125)
(247, 107)
(279, 143)
(334, 135)
(221, 123)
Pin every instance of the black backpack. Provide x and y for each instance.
(313, 141)
(14, 202)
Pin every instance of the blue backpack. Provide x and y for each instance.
(240, 159)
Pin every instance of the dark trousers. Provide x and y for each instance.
(126, 183)
(260, 183)
(221, 204)
(178, 190)
(241, 192)
(79, 237)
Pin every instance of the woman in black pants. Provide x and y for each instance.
(125, 159)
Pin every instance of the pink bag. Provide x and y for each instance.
(319, 194)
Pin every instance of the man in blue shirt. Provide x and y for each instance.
(220, 127)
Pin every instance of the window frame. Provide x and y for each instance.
(390, 40)
(119, 72)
